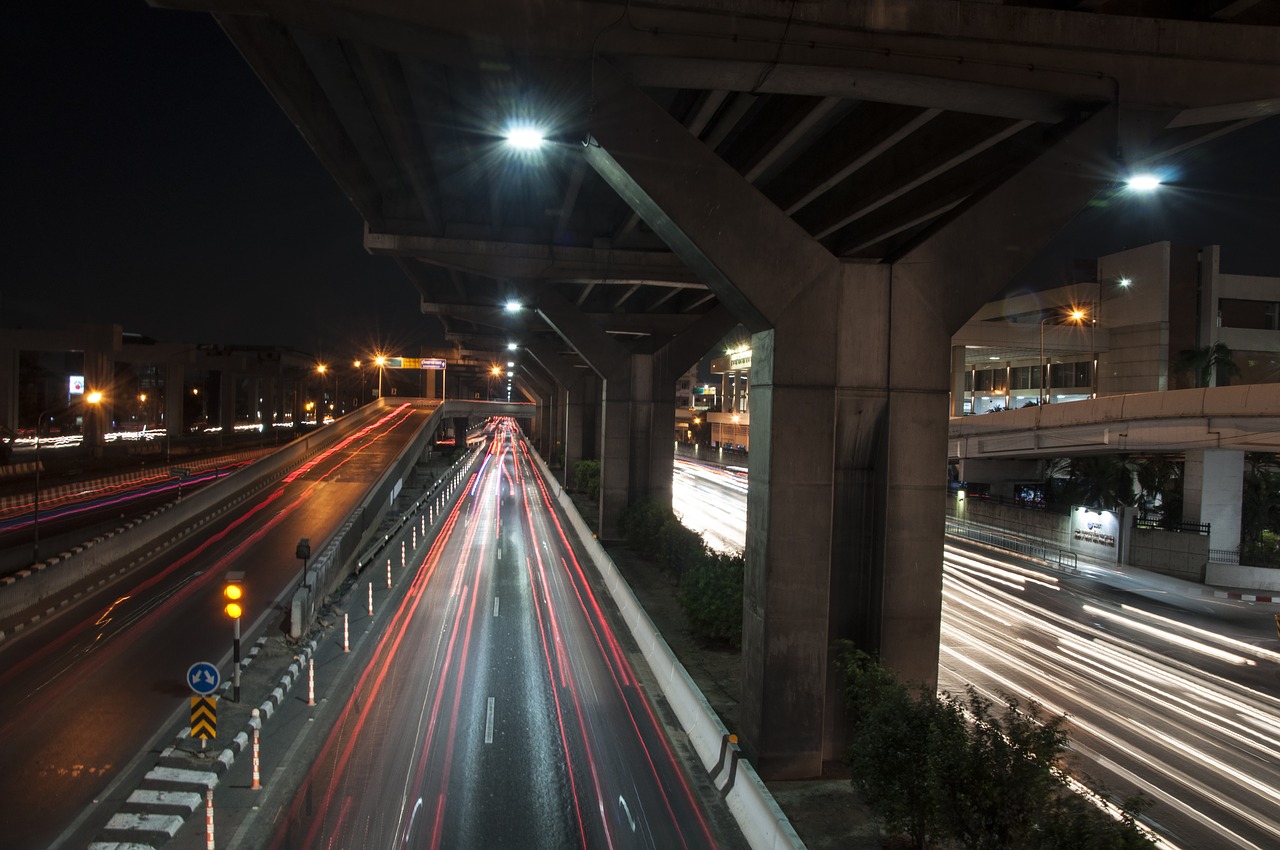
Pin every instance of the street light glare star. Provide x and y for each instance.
(1144, 182)
(524, 138)
(513, 307)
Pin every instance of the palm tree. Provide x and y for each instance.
(1209, 366)
(1104, 482)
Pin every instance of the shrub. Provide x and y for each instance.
(939, 768)
(711, 595)
(640, 523)
(586, 478)
(679, 548)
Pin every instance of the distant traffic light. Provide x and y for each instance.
(232, 592)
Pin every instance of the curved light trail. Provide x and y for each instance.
(1186, 713)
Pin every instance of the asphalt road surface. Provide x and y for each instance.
(1168, 693)
(91, 690)
(499, 708)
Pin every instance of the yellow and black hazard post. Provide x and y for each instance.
(204, 718)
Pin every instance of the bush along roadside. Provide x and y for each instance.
(710, 583)
(586, 478)
(948, 772)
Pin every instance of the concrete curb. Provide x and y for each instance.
(171, 791)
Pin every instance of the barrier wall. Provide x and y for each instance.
(336, 555)
(121, 550)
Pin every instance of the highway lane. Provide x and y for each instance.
(499, 709)
(712, 500)
(1167, 694)
(90, 688)
(1155, 703)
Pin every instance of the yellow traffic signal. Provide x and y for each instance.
(232, 593)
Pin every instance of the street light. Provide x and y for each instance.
(1076, 315)
(320, 370)
(381, 362)
(94, 397)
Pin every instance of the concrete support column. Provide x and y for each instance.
(1212, 491)
(580, 422)
(175, 374)
(958, 373)
(9, 389)
(616, 447)
(227, 384)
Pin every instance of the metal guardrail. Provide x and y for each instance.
(1155, 522)
(1023, 546)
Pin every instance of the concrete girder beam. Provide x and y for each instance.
(919, 48)
(650, 159)
(525, 261)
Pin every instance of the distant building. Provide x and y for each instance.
(1136, 326)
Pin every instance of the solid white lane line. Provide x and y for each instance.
(488, 723)
(495, 606)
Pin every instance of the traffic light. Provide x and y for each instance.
(232, 592)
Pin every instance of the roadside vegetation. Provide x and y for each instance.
(948, 772)
(710, 583)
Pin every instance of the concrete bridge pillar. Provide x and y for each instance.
(849, 400)
(581, 406)
(1212, 491)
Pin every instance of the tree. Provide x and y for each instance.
(955, 771)
(1097, 481)
(1160, 486)
(895, 740)
(1260, 505)
(1209, 366)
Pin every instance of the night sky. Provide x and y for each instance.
(150, 180)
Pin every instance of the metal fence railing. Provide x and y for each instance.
(1013, 543)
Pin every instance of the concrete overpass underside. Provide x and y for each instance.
(849, 181)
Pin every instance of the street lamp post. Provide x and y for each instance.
(91, 398)
(360, 366)
(1077, 316)
(381, 363)
(1040, 383)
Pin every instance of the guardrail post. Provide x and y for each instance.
(257, 724)
(208, 817)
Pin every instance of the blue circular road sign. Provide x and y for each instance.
(203, 678)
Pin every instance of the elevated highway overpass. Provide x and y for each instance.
(850, 182)
(1244, 418)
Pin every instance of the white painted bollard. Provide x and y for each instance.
(414, 535)
(422, 523)
(401, 554)
(370, 599)
(389, 574)
(257, 764)
(208, 817)
(346, 632)
(311, 681)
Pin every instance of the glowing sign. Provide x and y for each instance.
(77, 385)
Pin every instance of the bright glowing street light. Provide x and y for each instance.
(525, 138)
(511, 346)
(513, 306)
(381, 363)
(1143, 182)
